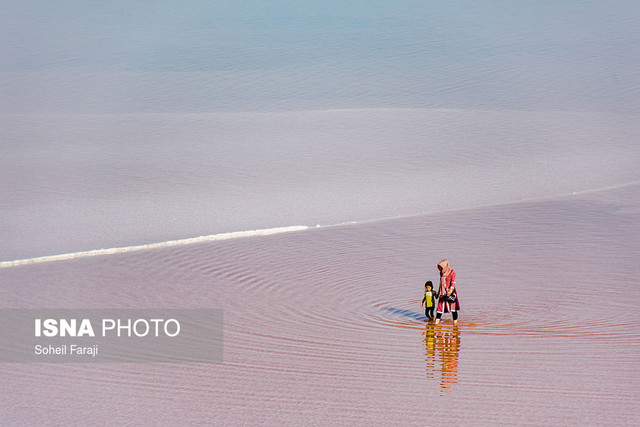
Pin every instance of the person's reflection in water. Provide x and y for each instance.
(430, 345)
(443, 344)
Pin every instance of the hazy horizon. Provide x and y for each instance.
(123, 57)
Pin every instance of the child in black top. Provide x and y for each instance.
(429, 299)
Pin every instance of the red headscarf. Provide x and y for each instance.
(444, 266)
(444, 270)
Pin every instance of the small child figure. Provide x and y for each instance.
(429, 300)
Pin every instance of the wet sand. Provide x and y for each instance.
(324, 325)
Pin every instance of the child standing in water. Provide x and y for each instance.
(429, 299)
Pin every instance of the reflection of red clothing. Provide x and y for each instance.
(449, 282)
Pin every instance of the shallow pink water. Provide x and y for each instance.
(324, 325)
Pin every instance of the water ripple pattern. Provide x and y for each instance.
(326, 323)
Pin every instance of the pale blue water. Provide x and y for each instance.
(202, 56)
(126, 123)
(129, 123)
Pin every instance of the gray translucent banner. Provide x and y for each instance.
(111, 336)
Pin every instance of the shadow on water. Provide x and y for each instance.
(442, 346)
(406, 313)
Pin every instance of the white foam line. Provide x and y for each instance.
(489, 205)
(169, 243)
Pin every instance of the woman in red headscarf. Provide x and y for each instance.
(445, 291)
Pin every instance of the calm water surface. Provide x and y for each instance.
(325, 324)
(502, 136)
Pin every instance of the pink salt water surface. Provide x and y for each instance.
(324, 325)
